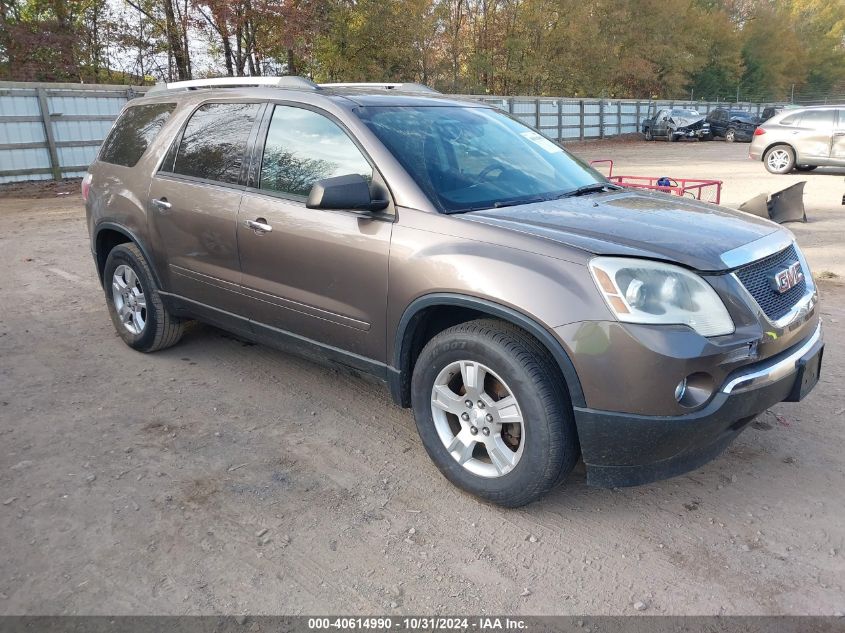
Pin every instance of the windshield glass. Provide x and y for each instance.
(467, 158)
(685, 113)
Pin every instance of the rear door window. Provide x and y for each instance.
(213, 144)
(133, 132)
(817, 119)
(303, 147)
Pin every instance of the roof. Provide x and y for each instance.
(302, 89)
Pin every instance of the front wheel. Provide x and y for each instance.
(134, 303)
(730, 135)
(492, 412)
(648, 135)
(779, 159)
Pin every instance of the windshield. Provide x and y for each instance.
(467, 158)
(685, 113)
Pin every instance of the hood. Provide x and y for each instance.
(744, 118)
(636, 223)
(686, 121)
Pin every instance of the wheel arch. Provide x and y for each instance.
(107, 235)
(447, 309)
(775, 144)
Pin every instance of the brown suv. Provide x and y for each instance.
(527, 309)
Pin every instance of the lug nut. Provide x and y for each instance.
(489, 418)
(473, 430)
(486, 431)
(468, 403)
(465, 416)
(480, 404)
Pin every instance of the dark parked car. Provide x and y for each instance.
(769, 112)
(732, 125)
(526, 309)
(674, 124)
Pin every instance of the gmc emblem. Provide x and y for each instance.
(786, 278)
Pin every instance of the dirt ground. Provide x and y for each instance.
(224, 477)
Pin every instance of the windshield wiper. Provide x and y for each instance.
(588, 189)
(513, 203)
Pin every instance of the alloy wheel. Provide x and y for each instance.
(478, 418)
(778, 159)
(129, 300)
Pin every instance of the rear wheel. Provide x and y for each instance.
(492, 412)
(134, 303)
(730, 135)
(779, 159)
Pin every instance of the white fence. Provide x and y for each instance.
(53, 131)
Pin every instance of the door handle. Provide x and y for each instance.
(259, 225)
(161, 203)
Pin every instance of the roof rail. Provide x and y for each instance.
(287, 81)
(400, 87)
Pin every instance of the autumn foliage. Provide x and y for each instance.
(750, 49)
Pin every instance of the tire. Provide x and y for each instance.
(730, 135)
(671, 137)
(805, 167)
(779, 159)
(648, 135)
(539, 454)
(128, 283)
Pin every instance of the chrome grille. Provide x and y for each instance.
(755, 278)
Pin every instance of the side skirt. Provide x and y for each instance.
(275, 337)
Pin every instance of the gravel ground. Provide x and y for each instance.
(225, 477)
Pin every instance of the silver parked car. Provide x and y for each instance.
(801, 139)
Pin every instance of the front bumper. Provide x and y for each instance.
(699, 133)
(622, 449)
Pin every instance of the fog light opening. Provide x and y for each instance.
(694, 390)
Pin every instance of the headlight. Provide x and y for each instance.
(643, 291)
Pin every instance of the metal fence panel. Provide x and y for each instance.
(54, 130)
(62, 142)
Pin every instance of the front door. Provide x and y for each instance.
(661, 124)
(193, 205)
(317, 274)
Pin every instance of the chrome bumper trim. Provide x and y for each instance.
(770, 372)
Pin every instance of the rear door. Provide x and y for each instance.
(814, 133)
(318, 274)
(193, 204)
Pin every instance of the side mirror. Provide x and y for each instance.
(343, 192)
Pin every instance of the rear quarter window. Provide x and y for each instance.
(133, 132)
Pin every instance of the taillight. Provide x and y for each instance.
(86, 186)
(759, 131)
